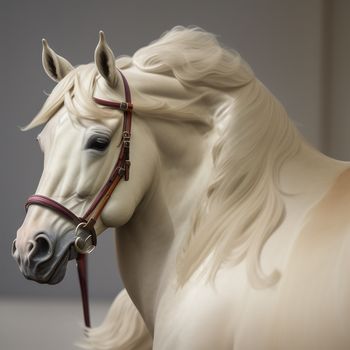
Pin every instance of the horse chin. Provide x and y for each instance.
(59, 270)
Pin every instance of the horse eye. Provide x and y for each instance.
(98, 143)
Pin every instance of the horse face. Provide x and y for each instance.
(78, 158)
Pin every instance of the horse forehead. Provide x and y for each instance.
(62, 125)
(58, 123)
(62, 118)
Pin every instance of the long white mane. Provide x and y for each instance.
(243, 205)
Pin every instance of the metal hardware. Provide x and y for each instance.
(124, 106)
(84, 242)
(125, 139)
(121, 172)
(126, 136)
(84, 246)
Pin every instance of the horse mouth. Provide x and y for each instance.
(59, 270)
(52, 272)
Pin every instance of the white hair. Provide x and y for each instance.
(243, 205)
(122, 329)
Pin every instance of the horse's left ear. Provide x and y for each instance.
(105, 62)
(56, 67)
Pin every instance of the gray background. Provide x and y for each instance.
(299, 49)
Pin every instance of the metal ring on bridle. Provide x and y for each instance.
(81, 242)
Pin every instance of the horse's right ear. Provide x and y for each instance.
(56, 67)
(105, 61)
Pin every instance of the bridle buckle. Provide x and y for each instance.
(85, 241)
(124, 106)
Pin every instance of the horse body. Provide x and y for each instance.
(232, 232)
(233, 315)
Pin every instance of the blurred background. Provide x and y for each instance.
(299, 49)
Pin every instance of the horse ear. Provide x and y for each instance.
(56, 67)
(105, 62)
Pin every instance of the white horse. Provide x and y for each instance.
(232, 232)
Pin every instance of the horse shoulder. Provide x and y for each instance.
(201, 315)
(313, 308)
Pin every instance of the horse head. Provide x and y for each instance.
(81, 142)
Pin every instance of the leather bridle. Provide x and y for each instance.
(86, 238)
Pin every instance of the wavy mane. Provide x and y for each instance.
(243, 204)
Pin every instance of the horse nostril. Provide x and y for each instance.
(14, 252)
(14, 248)
(41, 248)
(30, 246)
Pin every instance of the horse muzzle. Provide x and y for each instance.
(43, 258)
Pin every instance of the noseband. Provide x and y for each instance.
(85, 234)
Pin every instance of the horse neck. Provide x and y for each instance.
(146, 245)
(185, 168)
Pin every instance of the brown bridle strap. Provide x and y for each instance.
(122, 166)
(48, 202)
(87, 221)
(82, 267)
